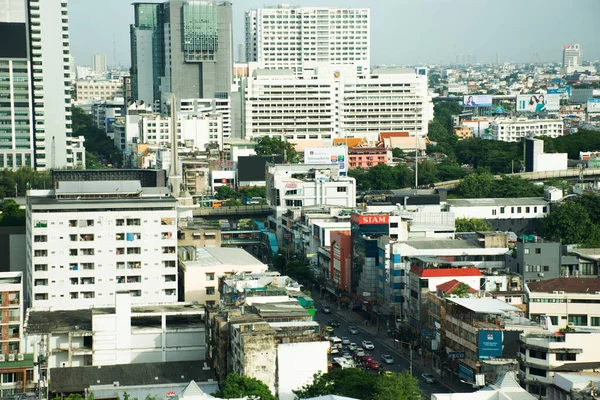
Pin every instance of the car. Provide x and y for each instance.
(428, 378)
(373, 365)
(367, 344)
(334, 350)
(352, 346)
(329, 329)
(387, 358)
(368, 358)
(333, 323)
(345, 341)
(347, 356)
(326, 309)
(353, 330)
(359, 352)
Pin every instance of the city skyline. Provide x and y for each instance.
(449, 29)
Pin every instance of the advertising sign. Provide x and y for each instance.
(538, 102)
(593, 105)
(110, 125)
(466, 373)
(370, 219)
(477, 101)
(564, 92)
(328, 155)
(490, 344)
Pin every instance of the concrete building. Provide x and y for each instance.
(125, 241)
(536, 160)
(201, 267)
(287, 37)
(505, 388)
(573, 385)
(368, 157)
(538, 260)
(124, 334)
(99, 65)
(16, 100)
(293, 186)
(49, 46)
(89, 89)
(516, 214)
(543, 354)
(567, 302)
(514, 129)
(276, 103)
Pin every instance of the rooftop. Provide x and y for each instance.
(209, 256)
(76, 379)
(567, 285)
(485, 305)
(451, 286)
(523, 201)
(97, 187)
(444, 244)
(442, 272)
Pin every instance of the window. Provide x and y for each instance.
(86, 237)
(502, 210)
(120, 251)
(566, 357)
(341, 189)
(166, 235)
(595, 321)
(546, 268)
(133, 221)
(40, 282)
(134, 250)
(578, 319)
(519, 210)
(167, 221)
(527, 209)
(41, 267)
(87, 252)
(537, 371)
(72, 252)
(120, 222)
(493, 212)
(526, 251)
(393, 224)
(10, 377)
(170, 278)
(210, 276)
(40, 238)
(169, 264)
(168, 250)
(538, 250)
(210, 290)
(40, 253)
(41, 296)
(545, 209)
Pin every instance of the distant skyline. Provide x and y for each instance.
(402, 31)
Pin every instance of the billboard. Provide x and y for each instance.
(538, 102)
(328, 155)
(370, 219)
(490, 343)
(563, 91)
(109, 125)
(593, 105)
(477, 101)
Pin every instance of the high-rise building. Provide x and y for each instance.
(88, 240)
(332, 101)
(50, 57)
(287, 37)
(185, 46)
(16, 109)
(572, 55)
(99, 63)
(147, 51)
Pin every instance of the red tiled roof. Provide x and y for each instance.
(441, 272)
(387, 135)
(452, 285)
(567, 285)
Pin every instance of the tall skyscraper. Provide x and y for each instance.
(16, 112)
(50, 58)
(99, 63)
(287, 37)
(196, 49)
(572, 55)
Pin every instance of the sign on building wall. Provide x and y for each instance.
(490, 343)
(370, 219)
(538, 102)
(328, 155)
(477, 101)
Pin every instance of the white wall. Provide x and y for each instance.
(297, 363)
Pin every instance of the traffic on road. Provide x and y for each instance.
(359, 348)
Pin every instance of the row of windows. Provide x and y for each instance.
(118, 222)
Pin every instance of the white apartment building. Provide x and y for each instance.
(189, 108)
(329, 101)
(513, 129)
(293, 186)
(127, 132)
(571, 301)
(88, 89)
(543, 354)
(194, 132)
(105, 113)
(99, 63)
(88, 240)
(287, 37)
(201, 268)
(51, 64)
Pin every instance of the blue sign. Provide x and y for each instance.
(490, 344)
(466, 373)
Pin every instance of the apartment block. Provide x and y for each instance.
(514, 129)
(88, 240)
(86, 89)
(286, 37)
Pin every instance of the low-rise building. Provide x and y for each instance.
(505, 388)
(537, 260)
(367, 157)
(514, 129)
(574, 385)
(542, 354)
(88, 89)
(567, 302)
(201, 267)
(463, 132)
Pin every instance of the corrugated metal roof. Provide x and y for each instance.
(98, 187)
(484, 306)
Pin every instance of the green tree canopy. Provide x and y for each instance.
(471, 225)
(571, 223)
(96, 140)
(236, 386)
(268, 146)
(484, 185)
(359, 384)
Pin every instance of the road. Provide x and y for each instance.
(401, 362)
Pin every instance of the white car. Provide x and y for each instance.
(367, 344)
(352, 346)
(345, 341)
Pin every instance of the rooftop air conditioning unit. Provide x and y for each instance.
(11, 357)
(2, 358)
(20, 357)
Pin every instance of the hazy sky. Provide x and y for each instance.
(402, 31)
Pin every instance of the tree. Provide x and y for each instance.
(570, 222)
(397, 152)
(462, 290)
(398, 386)
(268, 146)
(225, 192)
(475, 186)
(471, 225)
(236, 386)
(96, 140)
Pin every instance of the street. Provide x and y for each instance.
(401, 361)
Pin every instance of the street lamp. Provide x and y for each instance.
(410, 354)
